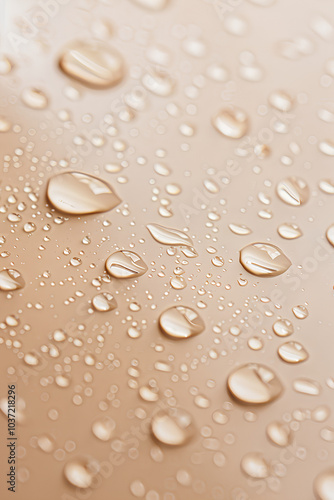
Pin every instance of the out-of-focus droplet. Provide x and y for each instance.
(158, 83)
(77, 193)
(330, 234)
(280, 100)
(292, 352)
(323, 485)
(327, 186)
(5, 124)
(306, 386)
(241, 230)
(151, 4)
(178, 283)
(29, 227)
(6, 65)
(195, 47)
(174, 427)
(217, 73)
(254, 384)
(327, 147)
(283, 327)
(300, 312)
(279, 434)
(264, 259)
(217, 261)
(125, 264)
(254, 465)
(148, 394)
(78, 473)
(289, 231)
(232, 123)
(11, 280)
(169, 236)
(179, 322)
(104, 302)
(92, 63)
(293, 191)
(46, 443)
(235, 24)
(34, 98)
(103, 428)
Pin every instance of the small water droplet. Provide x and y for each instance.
(34, 98)
(306, 386)
(330, 234)
(158, 83)
(264, 259)
(151, 4)
(174, 427)
(254, 384)
(180, 322)
(279, 434)
(293, 191)
(289, 231)
(241, 230)
(104, 302)
(232, 123)
(280, 100)
(254, 465)
(283, 327)
(169, 236)
(300, 312)
(78, 473)
(292, 352)
(103, 428)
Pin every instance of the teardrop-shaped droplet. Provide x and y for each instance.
(10, 280)
(292, 352)
(232, 123)
(151, 4)
(289, 231)
(330, 234)
(92, 63)
(279, 434)
(293, 191)
(78, 473)
(241, 230)
(283, 327)
(254, 465)
(264, 259)
(323, 485)
(125, 264)
(254, 384)
(34, 98)
(103, 428)
(179, 322)
(104, 302)
(300, 311)
(174, 427)
(280, 100)
(169, 236)
(78, 193)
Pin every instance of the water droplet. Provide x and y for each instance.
(217, 261)
(46, 443)
(241, 230)
(306, 386)
(10, 280)
(103, 428)
(179, 322)
(78, 193)
(125, 264)
(178, 283)
(292, 352)
(323, 485)
(29, 227)
(159, 83)
(254, 465)
(5, 65)
(194, 47)
(283, 327)
(280, 100)
(174, 427)
(264, 259)
(327, 147)
(5, 124)
(300, 312)
(293, 191)
(254, 384)
(327, 186)
(232, 123)
(92, 63)
(330, 234)
(78, 473)
(289, 231)
(151, 4)
(34, 98)
(279, 434)
(169, 236)
(104, 302)
(148, 394)
(31, 359)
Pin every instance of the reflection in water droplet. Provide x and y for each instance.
(148, 394)
(283, 327)
(10, 280)
(306, 386)
(323, 485)
(174, 427)
(254, 465)
(104, 302)
(103, 428)
(292, 352)
(293, 191)
(289, 231)
(300, 312)
(217, 261)
(169, 236)
(264, 259)
(78, 193)
(239, 229)
(330, 234)
(179, 322)
(92, 63)
(125, 264)
(232, 123)
(280, 100)
(34, 98)
(78, 473)
(254, 384)
(279, 434)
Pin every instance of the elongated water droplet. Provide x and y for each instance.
(125, 264)
(34, 98)
(179, 322)
(293, 191)
(169, 236)
(289, 231)
(254, 465)
(103, 428)
(323, 485)
(78, 473)
(174, 427)
(306, 386)
(283, 327)
(77, 193)
(254, 384)
(232, 123)
(92, 63)
(292, 352)
(327, 147)
(10, 280)
(279, 434)
(241, 230)
(264, 259)
(104, 302)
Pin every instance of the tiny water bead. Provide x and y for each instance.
(293, 191)
(77, 193)
(292, 352)
(231, 123)
(125, 264)
(180, 322)
(254, 384)
(104, 302)
(264, 259)
(92, 63)
(11, 280)
(174, 427)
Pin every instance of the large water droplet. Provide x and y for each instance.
(323, 485)
(78, 193)
(292, 352)
(264, 259)
(78, 473)
(104, 302)
(174, 427)
(254, 465)
(300, 311)
(327, 186)
(10, 280)
(125, 264)
(232, 123)
(169, 236)
(92, 63)
(254, 384)
(293, 191)
(179, 322)
(283, 327)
